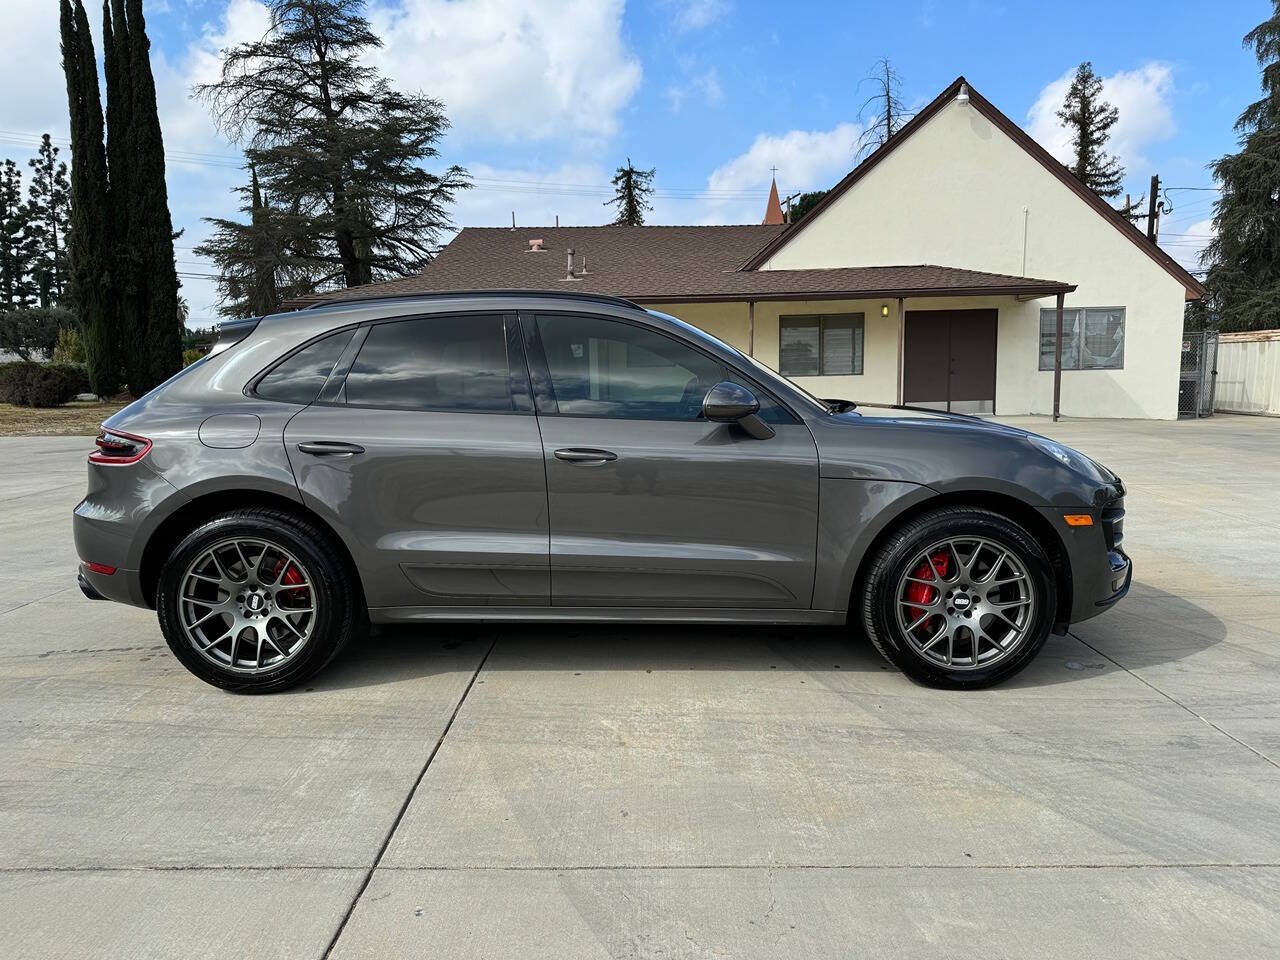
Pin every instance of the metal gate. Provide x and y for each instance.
(1199, 373)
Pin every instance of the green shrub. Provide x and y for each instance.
(76, 375)
(40, 384)
(191, 356)
(69, 349)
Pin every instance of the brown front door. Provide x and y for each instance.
(949, 360)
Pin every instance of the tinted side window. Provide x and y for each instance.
(606, 368)
(299, 378)
(433, 363)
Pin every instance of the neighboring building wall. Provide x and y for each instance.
(958, 192)
(1248, 373)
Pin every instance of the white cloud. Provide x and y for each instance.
(705, 86)
(688, 15)
(806, 160)
(1146, 115)
(512, 70)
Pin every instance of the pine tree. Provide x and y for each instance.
(335, 145)
(15, 261)
(804, 203)
(1090, 119)
(1244, 256)
(260, 262)
(49, 203)
(885, 108)
(631, 197)
(88, 241)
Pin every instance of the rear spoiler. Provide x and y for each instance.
(232, 332)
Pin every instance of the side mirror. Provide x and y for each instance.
(728, 402)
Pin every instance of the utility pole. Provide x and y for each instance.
(1153, 227)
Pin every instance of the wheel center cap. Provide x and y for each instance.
(961, 602)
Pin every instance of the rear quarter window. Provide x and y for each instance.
(441, 363)
(298, 378)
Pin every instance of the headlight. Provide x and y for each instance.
(1071, 459)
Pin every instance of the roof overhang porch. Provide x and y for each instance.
(900, 296)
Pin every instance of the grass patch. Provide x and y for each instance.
(75, 419)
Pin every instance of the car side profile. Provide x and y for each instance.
(533, 456)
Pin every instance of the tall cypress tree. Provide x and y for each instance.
(1244, 256)
(89, 240)
(123, 258)
(49, 203)
(147, 280)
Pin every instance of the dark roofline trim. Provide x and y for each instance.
(1194, 288)
(890, 293)
(1032, 289)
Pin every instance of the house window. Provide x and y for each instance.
(828, 345)
(1092, 338)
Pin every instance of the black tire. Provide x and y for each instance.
(878, 601)
(338, 613)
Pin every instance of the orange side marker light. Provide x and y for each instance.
(1078, 519)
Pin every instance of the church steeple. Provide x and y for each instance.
(773, 211)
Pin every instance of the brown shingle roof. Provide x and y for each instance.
(670, 265)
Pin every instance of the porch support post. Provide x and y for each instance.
(902, 328)
(751, 328)
(1057, 361)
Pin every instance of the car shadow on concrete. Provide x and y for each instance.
(1157, 628)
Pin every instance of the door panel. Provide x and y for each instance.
(440, 509)
(440, 490)
(650, 505)
(973, 361)
(690, 514)
(926, 359)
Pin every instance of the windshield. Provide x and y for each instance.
(770, 376)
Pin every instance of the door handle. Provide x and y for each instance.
(585, 455)
(330, 448)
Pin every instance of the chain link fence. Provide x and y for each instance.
(1198, 375)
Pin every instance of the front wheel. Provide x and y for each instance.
(959, 597)
(256, 601)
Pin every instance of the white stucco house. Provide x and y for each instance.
(931, 274)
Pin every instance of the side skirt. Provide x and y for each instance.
(607, 615)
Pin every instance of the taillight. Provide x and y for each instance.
(117, 447)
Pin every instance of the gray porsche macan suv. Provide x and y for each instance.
(529, 456)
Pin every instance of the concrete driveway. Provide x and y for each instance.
(567, 792)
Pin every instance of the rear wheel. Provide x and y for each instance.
(256, 601)
(960, 597)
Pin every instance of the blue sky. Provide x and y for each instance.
(547, 96)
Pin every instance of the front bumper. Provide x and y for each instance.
(1097, 566)
(1121, 578)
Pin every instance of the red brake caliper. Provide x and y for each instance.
(922, 592)
(291, 578)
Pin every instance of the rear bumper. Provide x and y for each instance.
(87, 588)
(123, 586)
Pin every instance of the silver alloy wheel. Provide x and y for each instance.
(247, 605)
(965, 603)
